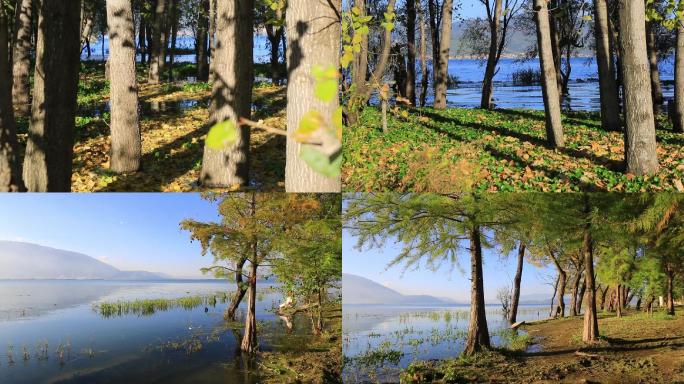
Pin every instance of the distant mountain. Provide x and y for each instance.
(359, 290)
(32, 261)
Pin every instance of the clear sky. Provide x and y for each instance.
(498, 272)
(128, 231)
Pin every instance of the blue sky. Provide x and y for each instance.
(128, 231)
(469, 8)
(455, 284)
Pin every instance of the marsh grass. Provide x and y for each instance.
(148, 307)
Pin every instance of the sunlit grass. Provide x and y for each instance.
(148, 307)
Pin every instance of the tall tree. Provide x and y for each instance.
(442, 70)
(21, 89)
(640, 138)
(126, 143)
(49, 152)
(10, 174)
(411, 51)
(656, 87)
(494, 18)
(158, 48)
(231, 93)
(678, 116)
(610, 105)
(424, 77)
(433, 229)
(554, 127)
(202, 41)
(313, 41)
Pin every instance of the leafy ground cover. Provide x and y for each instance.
(636, 348)
(174, 123)
(458, 149)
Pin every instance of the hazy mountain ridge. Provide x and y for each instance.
(20, 260)
(359, 290)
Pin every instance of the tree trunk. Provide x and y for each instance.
(424, 76)
(231, 93)
(318, 325)
(649, 305)
(21, 57)
(274, 34)
(239, 292)
(640, 138)
(678, 116)
(554, 128)
(158, 51)
(670, 292)
(656, 88)
(142, 38)
(604, 292)
(610, 104)
(442, 74)
(173, 18)
(515, 299)
(249, 339)
(359, 71)
(126, 143)
(433, 19)
(492, 59)
(383, 59)
(575, 292)
(87, 16)
(580, 296)
(560, 295)
(202, 38)
(555, 48)
(10, 173)
(212, 37)
(618, 289)
(410, 90)
(317, 44)
(478, 334)
(553, 298)
(591, 331)
(49, 151)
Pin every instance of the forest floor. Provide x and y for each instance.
(636, 348)
(321, 363)
(458, 149)
(174, 123)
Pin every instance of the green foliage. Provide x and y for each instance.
(223, 135)
(495, 151)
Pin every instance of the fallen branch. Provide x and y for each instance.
(262, 126)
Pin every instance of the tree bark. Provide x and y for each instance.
(618, 289)
(424, 76)
(553, 298)
(21, 57)
(239, 292)
(173, 21)
(158, 49)
(604, 292)
(49, 151)
(313, 38)
(249, 339)
(610, 103)
(670, 291)
(640, 138)
(410, 91)
(580, 296)
(442, 73)
(562, 281)
(359, 71)
(575, 292)
(678, 116)
(126, 143)
(212, 37)
(231, 93)
(142, 36)
(591, 331)
(478, 334)
(515, 299)
(492, 59)
(202, 39)
(274, 34)
(656, 88)
(10, 173)
(87, 16)
(554, 128)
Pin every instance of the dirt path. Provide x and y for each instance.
(634, 349)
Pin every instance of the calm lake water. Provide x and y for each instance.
(402, 334)
(583, 86)
(51, 332)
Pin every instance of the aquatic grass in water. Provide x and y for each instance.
(148, 307)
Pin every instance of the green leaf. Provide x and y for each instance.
(320, 162)
(222, 135)
(311, 122)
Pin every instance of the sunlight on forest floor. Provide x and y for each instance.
(502, 150)
(636, 348)
(173, 124)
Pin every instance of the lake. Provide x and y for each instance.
(583, 85)
(53, 331)
(378, 341)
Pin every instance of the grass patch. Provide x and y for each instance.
(148, 307)
(502, 150)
